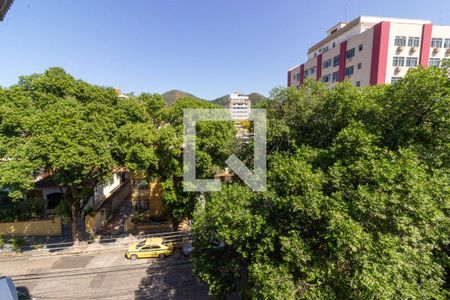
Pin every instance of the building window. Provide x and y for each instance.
(413, 41)
(335, 76)
(349, 71)
(400, 41)
(359, 66)
(398, 61)
(411, 61)
(446, 62)
(312, 70)
(360, 47)
(395, 79)
(327, 63)
(326, 78)
(336, 60)
(350, 53)
(358, 83)
(305, 74)
(447, 43)
(325, 49)
(434, 62)
(436, 43)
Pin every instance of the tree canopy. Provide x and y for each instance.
(358, 198)
(80, 133)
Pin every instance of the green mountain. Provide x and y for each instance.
(173, 95)
(255, 99)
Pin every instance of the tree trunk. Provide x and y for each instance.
(175, 223)
(76, 233)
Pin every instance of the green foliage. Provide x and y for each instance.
(215, 141)
(16, 244)
(76, 131)
(357, 204)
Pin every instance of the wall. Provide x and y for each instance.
(103, 191)
(130, 227)
(363, 57)
(444, 33)
(156, 206)
(401, 30)
(29, 228)
(107, 208)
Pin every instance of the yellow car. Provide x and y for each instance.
(152, 247)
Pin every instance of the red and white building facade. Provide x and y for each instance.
(373, 50)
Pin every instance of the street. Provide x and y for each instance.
(106, 275)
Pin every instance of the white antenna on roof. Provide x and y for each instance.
(345, 13)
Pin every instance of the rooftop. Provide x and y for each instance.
(343, 27)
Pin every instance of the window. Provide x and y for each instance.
(336, 60)
(413, 41)
(398, 61)
(350, 53)
(411, 61)
(360, 47)
(400, 41)
(434, 62)
(436, 43)
(335, 76)
(327, 63)
(447, 43)
(446, 62)
(359, 66)
(349, 71)
(325, 49)
(326, 78)
(395, 79)
(358, 83)
(305, 74)
(312, 70)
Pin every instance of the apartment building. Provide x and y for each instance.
(239, 106)
(373, 50)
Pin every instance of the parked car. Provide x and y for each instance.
(8, 290)
(152, 247)
(187, 248)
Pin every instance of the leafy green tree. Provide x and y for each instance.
(52, 122)
(214, 141)
(357, 205)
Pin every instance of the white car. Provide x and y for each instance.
(8, 290)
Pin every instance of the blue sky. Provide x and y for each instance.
(206, 47)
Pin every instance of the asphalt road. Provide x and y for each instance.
(106, 275)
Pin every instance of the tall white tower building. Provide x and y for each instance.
(239, 106)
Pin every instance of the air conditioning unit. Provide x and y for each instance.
(397, 69)
(399, 48)
(447, 51)
(413, 49)
(436, 50)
